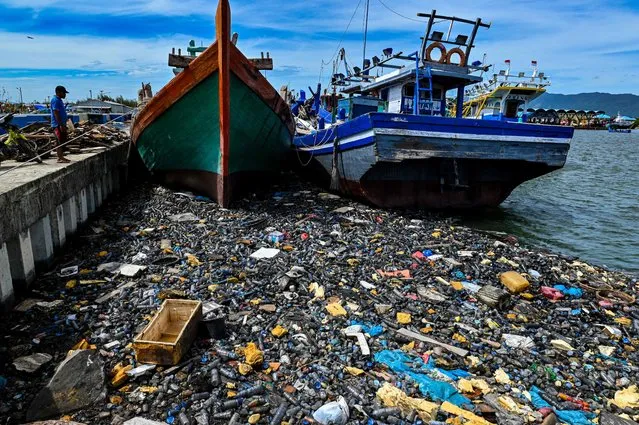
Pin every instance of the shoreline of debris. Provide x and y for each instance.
(316, 309)
(40, 138)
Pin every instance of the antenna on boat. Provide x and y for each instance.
(365, 32)
(483, 64)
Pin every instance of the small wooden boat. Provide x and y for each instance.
(218, 127)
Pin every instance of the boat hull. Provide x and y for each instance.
(218, 128)
(182, 146)
(404, 161)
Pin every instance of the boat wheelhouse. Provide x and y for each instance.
(391, 140)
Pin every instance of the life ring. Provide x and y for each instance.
(442, 51)
(462, 56)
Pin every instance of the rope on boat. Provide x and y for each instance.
(325, 137)
(58, 146)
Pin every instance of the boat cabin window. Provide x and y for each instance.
(409, 91)
(408, 96)
(384, 95)
(512, 108)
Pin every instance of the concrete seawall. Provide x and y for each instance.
(44, 204)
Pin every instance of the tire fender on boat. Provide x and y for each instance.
(442, 51)
(458, 51)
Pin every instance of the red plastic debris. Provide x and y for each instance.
(551, 293)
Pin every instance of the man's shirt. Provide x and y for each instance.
(58, 105)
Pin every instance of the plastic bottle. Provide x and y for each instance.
(279, 414)
(255, 390)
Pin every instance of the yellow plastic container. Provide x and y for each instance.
(515, 282)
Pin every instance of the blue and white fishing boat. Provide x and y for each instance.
(389, 138)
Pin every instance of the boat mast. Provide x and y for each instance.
(365, 33)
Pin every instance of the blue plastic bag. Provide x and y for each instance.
(572, 417)
(569, 291)
(436, 390)
(367, 328)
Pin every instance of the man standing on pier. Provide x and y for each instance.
(59, 121)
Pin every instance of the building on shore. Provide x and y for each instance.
(569, 117)
(92, 106)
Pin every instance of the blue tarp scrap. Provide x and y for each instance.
(367, 328)
(437, 390)
(572, 417)
(569, 291)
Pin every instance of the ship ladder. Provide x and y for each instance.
(419, 74)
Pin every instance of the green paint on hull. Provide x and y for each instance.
(259, 138)
(187, 135)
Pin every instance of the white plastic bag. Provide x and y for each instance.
(333, 413)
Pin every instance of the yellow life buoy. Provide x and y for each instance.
(442, 51)
(458, 51)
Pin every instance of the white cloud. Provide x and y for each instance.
(574, 41)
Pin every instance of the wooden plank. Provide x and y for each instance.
(263, 64)
(177, 61)
(419, 337)
(223, 35)
(200, 68)
(472, 39)
(434, 15)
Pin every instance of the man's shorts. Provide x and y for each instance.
(60, 135)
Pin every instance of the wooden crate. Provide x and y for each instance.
(170, 334)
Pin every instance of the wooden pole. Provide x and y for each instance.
(431, 19)
(365, 33)
(472, 39)
(223, 35)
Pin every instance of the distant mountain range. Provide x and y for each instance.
(627, 104)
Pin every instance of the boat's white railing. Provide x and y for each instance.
(483, 89)
(499, 80)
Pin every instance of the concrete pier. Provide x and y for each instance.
(43, 205)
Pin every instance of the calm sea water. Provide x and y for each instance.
(590, 208)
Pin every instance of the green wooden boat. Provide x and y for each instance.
(219, 127)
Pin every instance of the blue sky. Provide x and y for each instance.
(584, 45)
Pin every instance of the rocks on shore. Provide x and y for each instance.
(31, 363)
(77, 383)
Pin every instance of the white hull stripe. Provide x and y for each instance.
(345, 141)
(438, 135)
(467, 136)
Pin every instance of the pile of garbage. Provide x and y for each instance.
(93, 135)
(39, 136)
(316, 309)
